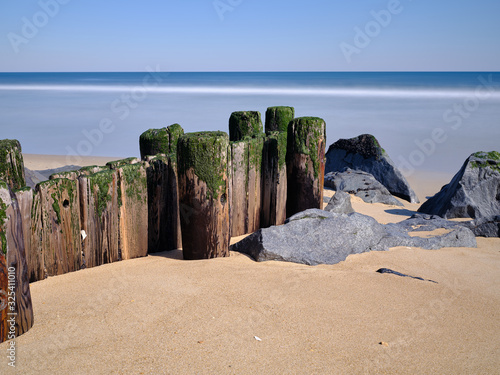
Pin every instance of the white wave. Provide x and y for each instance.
(485, 93)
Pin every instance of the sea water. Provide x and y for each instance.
(425, 121)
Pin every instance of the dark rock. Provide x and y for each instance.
(474, 192)
(364, 153)
(33, 177)
(340, 203)
(361, 184)
(485, 227)
(387, 270)
(319, 237)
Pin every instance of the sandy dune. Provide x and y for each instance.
(163, 315)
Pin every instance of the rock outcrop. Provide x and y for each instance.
(318, 237)
(364, 153)
(305, 164)
(203, 194)
(474, 192)
(361, 184)
(16, 316)
(12, 164)
(340, 203)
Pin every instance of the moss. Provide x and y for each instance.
(3, 219)
(120, 163)
(486, 160)
(102, 180)
(56, 208)
(136, 182)
(304, 136)
(255, 148)
(244, 124)
(160, 141)
(24, 188)
(278, 118)
(203, 151)
(376, 143)
(11, 163)
(91, 169)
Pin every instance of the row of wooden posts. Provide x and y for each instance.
(194, 190)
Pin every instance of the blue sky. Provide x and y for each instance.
(249, 35)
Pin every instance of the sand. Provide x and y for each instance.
(163, 315)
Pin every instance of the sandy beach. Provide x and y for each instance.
(163, 315)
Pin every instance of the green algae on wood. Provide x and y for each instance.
(103, 181)
(160, 141)
(205, 153)
(11, 163)
(278, 118)
(244, 124)
(120, 163)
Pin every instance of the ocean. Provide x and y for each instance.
(425, 121)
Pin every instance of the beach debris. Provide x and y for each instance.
(387, 270)
(15, 318)
(364, 153)
(203, 194)
(257, 338)
(383, 343)
(320, 237)
(362, 185)
(472, 193)
(84, 235)
(305, 164)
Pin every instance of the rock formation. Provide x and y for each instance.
(11, 163)
(160, 141)
(364, 153)
(203, 194)
(361, 184)
(474, 192)
(340, 203)
(15, 318)
(305, 163)
(318, 237)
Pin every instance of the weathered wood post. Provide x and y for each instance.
(278, 118)
(305, 164)
(274, 176)
(160, 141)
(133, 203)
(56, 212)
(164, 227)
(16, 315)
(99, 217)
(203, 194)
(11, 163)
(246, 149)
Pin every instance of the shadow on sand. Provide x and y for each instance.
(401, 211)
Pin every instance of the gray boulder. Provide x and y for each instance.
(319, 237)
(340, 203)
(485, 227)
(361, 184)
(474, 192)
(364, 153)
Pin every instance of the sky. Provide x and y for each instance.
(249, 35)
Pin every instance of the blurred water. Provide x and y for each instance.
(103, 114)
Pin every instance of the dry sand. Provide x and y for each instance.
(163, 315)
